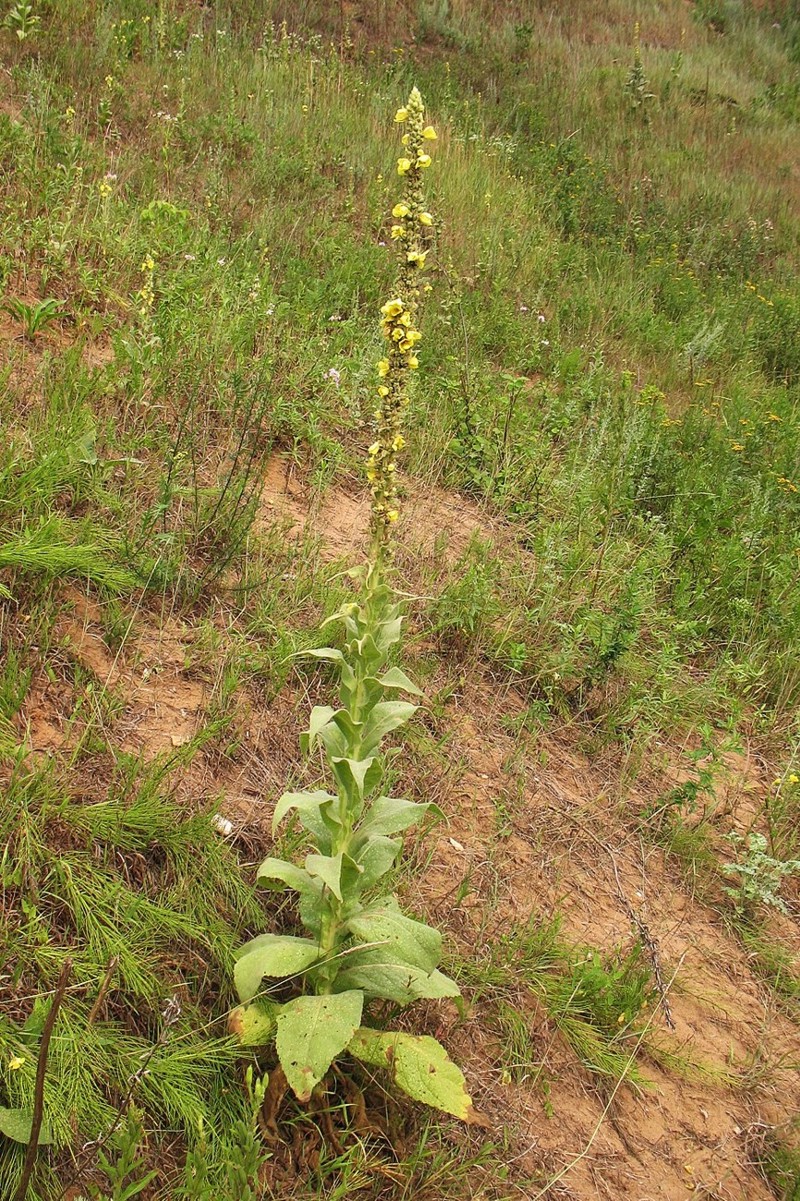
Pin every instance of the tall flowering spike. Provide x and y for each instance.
(399, 321)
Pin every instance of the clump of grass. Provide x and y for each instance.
(596, 1002)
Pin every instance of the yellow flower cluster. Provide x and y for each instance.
(398, 321)
(146, 295)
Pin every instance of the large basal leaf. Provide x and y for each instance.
(16, 1124)
(312, 1031)
(385, 717)
(421, 1067)
(378, 974)
(412, 942)
(273, 955)
(390, 815)
(255, 1024)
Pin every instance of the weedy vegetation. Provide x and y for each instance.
(534, 864)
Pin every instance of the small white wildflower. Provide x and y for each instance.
(222, 825)
(523, 308)
(333, 374)
(540, 317)
(190, 258)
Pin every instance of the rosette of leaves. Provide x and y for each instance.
(360, 948)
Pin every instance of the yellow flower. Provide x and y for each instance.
(373, 450)
(392, 308)
(398, 231)
(398, 442)
(383, 390)
(400, 210)
(403, 165)
(794, 779)
(423, 160)
(15, 1063)
(69, 112)
(418, 257)
(383, 368)
(406, 138)
(372, 476)
(401, 115)
(425, 219)
(413, 362)
(392, 515)
(430, 133)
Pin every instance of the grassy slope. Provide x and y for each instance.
(602, 543)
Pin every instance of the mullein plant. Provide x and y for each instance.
(361, 951)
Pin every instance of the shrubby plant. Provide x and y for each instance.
(360, 949)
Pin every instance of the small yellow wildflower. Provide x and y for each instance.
(413, 362)
(392, 308)
(418, 257)
(405, 139)
(109, 81)
(15, 1063)
(794, 779)
(423, 160)
(401, 115)
(383, 367)
(392, 515)
(429, 133)
(383, 390)
(400, 210)
(373, 450)
(403, 165)
(398, 232)
(398, 442)
(69, 112)
(425, 219)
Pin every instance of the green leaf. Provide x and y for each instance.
(385, 717)
(389, 632)
(420, 1066)
(314, 810)
(321, 652)
(274, 955)
(389, 815)
(395, 678)
(376, 857)
(320, 717)
(378, 974)
(327, 868)
(287, 873)
(412, 942)
(255, 1024)
(312, 1031)
(16, 1124)
(356, 776)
